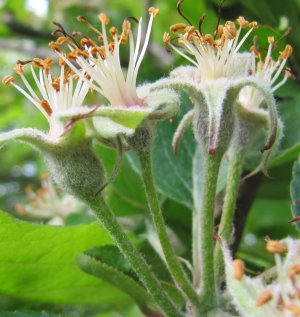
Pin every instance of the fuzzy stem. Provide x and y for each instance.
(175, 268)
(137, 262)
(203, 232)
(225, 228)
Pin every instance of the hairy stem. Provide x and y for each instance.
(174, 266)
(225, 228)
(137, 262)
(203, 230)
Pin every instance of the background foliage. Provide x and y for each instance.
(37, 262)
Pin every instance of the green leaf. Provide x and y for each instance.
(27, 314)
(108, 264)
(125, 195)
(295, 191)
(37, 263)
(286, 156)
(111, 256)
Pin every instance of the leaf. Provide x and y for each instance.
(108, 264)
(126, 193)
(111, 256)
(286, 156)
(37, 263)
(27, 314)
(295, 191)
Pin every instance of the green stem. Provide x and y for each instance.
(225, 228)
(175, 268)
(137, 262)
(203, 231)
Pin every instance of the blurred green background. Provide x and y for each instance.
(25, 31)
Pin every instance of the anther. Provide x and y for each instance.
(7, 80)
(166, 38)
(287, 52)
(238, 269)
(103, 18)
(126, 27)
(61, 40)
(253, 24)
(54, 47)
(276, 247)
(264, 298)
(271, 40)
(44, 103)
(87, 42)
(113, 31)
(294, 270)
(230, 30)
(38, 62)
(19, 69)
(81, 18)
(55, 84)
(154, 11)
(242, 22)
(178, 27)
(219, 31)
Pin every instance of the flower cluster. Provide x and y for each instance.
(232, 91)
(214, 55)
(52, 95)
(94, 64)
(48, 204)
